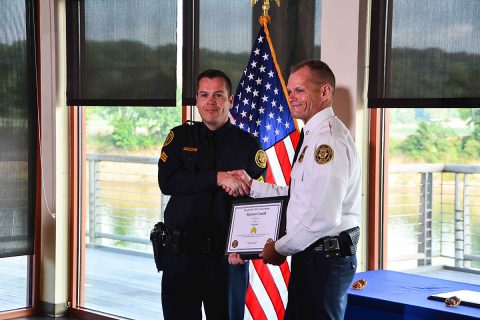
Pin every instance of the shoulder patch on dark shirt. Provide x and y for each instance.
(261, 159)
(168, 139)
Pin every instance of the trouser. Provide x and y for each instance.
(318, 286)
(187, 282)
(237, 290)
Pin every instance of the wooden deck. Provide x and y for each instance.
(127, 285)
(118, 283)
(123, 284)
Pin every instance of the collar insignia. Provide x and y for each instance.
(302, 155)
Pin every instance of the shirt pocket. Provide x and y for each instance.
(190, 159)
(300, 178)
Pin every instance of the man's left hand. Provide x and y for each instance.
(270, 255)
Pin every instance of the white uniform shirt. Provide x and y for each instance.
(325, 198)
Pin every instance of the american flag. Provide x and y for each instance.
(261, 108)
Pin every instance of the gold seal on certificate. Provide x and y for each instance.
(255, 222)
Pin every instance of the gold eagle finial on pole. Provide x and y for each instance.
(266, 5)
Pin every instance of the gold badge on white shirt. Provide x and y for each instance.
(323, 154)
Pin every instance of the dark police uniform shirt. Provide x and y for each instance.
(187, 170)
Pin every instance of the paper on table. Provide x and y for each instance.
(467, 297)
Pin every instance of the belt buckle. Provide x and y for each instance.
(331, 244)
(206, 245)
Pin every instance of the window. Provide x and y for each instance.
(424, 54)
(18, 134)
(424, 63)
(125, 75)
(433, 202)
(121, 52)
(121, 204)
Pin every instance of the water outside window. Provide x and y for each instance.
(433, 197)
(122, 203)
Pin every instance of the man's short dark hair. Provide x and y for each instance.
(212, 73)
(320, 70)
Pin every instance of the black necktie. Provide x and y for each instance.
(297, 149)
(210, 150)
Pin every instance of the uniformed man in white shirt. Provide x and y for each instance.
(324, 209)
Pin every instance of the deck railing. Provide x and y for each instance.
(124, 201)
(436, 207)
(433, 210)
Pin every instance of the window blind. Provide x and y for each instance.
(18, 111)
(425, 53)
(121, 52)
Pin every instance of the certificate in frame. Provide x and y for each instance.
(253, 223)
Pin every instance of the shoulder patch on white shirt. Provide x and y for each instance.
(323, 154)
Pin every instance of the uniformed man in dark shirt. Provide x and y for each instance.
(193, 169)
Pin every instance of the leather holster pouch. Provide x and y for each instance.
(348, 241)
(158, 239)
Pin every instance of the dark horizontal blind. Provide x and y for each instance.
(121, 52)
(225, 34)
(17, 128)
(425, 53)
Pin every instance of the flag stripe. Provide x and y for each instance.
(269, 176)
(283, 161)
(285, 269)
(270, 287)
(276, 169)
(261, 293)
(253, 305)
(289, 146)
(279, 281)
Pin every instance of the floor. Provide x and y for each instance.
(129, 286)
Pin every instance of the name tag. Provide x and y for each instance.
(191, 149)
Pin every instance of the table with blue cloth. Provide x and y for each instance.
(391, 295)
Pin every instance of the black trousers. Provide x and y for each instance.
(187, 282)
(318, 286)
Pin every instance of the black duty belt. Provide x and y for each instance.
(345, 244)
(189, 244)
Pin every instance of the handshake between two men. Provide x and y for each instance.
(238, 183)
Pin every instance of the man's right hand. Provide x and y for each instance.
(232, 184)
(242, 174)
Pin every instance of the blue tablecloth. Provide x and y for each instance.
(391, 295)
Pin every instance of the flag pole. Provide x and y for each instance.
(266, 5)
(264, 20)
(262, 110)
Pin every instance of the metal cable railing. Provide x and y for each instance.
(438, 205)
(433, 209)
